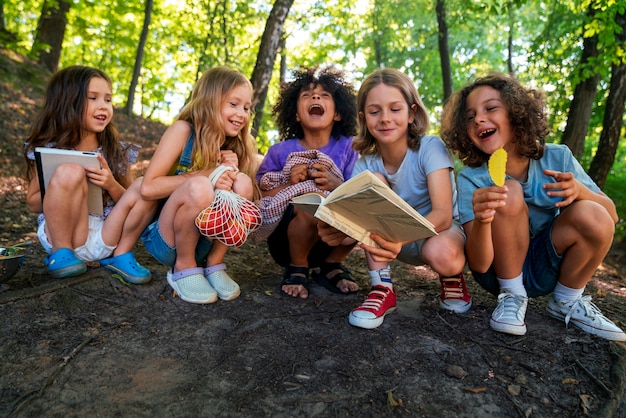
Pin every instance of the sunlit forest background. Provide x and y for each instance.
(154, 50)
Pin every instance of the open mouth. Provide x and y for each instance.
(316, 110)
(101, 117)
(486, 133)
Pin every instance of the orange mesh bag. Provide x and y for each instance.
(230, 218)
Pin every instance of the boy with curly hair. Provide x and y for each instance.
(316, 117)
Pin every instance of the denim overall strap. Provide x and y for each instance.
(184, 161)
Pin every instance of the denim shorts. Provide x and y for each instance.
(411, 253)
(93, 249)
(541, 267)
(164, 253)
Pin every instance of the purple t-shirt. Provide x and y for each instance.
(339, 150)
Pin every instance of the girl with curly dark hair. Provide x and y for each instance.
(316, 116)
(547, 228)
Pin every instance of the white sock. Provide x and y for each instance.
(514, 285)
(564, 293)
(381, 277)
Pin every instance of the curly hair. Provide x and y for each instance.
(527, 115)
(333, 81)
(60, 120)
(365, 143)
(203, 113)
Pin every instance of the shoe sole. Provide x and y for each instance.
(69, 271)
(368, 323)
(607, 335)
(507, 328)
(226, 296)
(460, 309)
(211, 298)
(127, 277)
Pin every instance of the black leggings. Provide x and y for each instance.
(278, 244)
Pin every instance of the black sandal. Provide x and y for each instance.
(292, 276)
(331, 284)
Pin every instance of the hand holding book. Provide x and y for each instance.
(364, 205)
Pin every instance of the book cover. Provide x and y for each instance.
(48, 159)
(364, 205)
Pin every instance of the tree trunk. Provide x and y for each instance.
(50, 33)
(581, 106)
(613, 115)
(3, 27)
(265, 59)
(444, 54)
(509, 59)
(128, 109)
(6, 37)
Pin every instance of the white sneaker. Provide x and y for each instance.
(586, 316)
(508, 317)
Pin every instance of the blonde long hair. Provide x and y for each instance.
(203, 113)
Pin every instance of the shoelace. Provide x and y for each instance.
(375, 299)
(505, 307)
(452, 287)
(591, 310)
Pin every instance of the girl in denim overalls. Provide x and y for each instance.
(211, 130)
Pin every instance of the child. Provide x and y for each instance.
(77, 114)
(316, 116)
(393, 144)
(548, 228)
(211, 130)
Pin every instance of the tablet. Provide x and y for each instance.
(48, 159)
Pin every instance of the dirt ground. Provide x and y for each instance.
(95, 346)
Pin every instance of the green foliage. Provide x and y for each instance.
(187, 37)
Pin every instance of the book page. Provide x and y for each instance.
(365, 205)
(309, 202)
(370, 211)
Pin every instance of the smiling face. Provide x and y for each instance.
(98, 106)
(235, 111)
(387, 115)
(316, 109)
(488, 124)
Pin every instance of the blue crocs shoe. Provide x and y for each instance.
(127, 266)
(64, 263)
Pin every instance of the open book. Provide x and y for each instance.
(48, 159)
(365, 205)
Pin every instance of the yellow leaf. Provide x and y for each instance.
(393, 401)
(497, 166)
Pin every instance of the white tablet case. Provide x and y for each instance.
(48, 159)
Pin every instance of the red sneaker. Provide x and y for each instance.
(454, 295)
(370, 314)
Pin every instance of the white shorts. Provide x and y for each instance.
(94, 248)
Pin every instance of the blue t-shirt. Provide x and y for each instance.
(541, 209)
(339, 150)
(410, 182)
